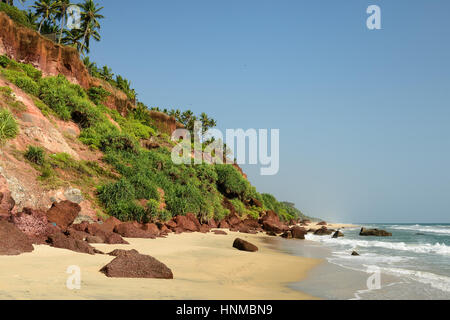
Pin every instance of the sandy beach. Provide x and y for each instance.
(205, 266)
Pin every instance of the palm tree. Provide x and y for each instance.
(88, 33)
(73, 38)
(91, 66)
(32, 17)
(11, 2)
(46, 9)
(106, 73)
(63, 6)
(90, 20)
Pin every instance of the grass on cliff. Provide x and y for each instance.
(9, 128)
(16, 15)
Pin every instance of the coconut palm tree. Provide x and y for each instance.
(46, 9)
(91, 66)
(89, 32)
(90, 17)
(63, 6)
(74, 38)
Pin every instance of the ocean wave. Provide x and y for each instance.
(367, 258)
(436, 281)
(428, 229)
(437, 248)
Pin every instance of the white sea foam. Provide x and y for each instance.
(437, 248)
(436, 281)
(444, 230)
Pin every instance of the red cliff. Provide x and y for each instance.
(26, 45)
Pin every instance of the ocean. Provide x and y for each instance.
(412, 264)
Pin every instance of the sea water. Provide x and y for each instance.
(413, 264)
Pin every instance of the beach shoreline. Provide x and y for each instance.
(205, 267)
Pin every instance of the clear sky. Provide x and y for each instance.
(363, 115)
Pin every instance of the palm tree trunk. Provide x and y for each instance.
(40, 26)
(62, 27)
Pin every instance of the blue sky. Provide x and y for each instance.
(363, 115)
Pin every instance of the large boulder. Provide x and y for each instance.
(110, 224)
(323, 223)
(132, 230)
(63, 213)
(374, 233)
(62, 241)
(338, 234)
(298, 232)
(13, 241)
(7, 203)
(243, 245)
(34, 224)
(220, 232)
(274, 227)
(185, 224)
(192, 217)
(224, 225)
(132, 264)
(323, 232)
(233, 219)
(212, 224)
(152, 229)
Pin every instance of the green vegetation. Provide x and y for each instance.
(16, 15)
(35, 155)
(8, 126)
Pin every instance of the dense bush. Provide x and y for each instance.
(15, 14)
(22, 80)
(35, 155)
(8, 126)
(4, 61)
(98, 95)
(231, 182)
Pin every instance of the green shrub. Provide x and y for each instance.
(94, 135)
(98, 95)
(31, 71)
(128, 211)
(66, 98)
(4, 61)
(21, 80)
(16, 15)
(144, 187)
(35, 155)
(120, 192)
(231, 182)
(8, 126)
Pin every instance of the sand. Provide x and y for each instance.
(205, 266)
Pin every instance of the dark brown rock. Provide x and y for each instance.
(220, 232)
(354, 253)
(298, 232)
(132, 264)
(233, 219)
(60, 240)
(224, 225)
(374, 233)
(323, 223)
(212, 224)
(110, 224)
(132, 230)
(185, 224)
(34, 224)
(323, 232)
(171, 224)
(121, 252)
(194, 219)
(243, 245)
(338, 234)
(271, 234)
(204, 228)
(287, 235)
(152, 229)
(63, 213)
(94, 239)
(12, 240)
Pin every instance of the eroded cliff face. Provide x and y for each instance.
(25, 45)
